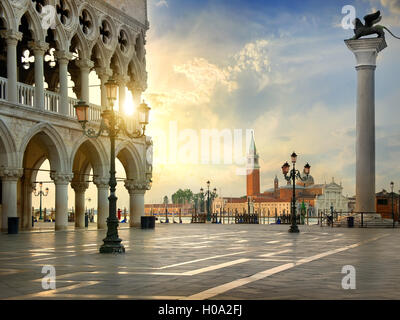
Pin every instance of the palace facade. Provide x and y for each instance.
(47, 46)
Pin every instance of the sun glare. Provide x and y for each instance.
(129, 106)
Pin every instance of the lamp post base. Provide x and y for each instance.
(112, 243)
(294, 229)
(112, 246)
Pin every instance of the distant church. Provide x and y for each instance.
(316, 197)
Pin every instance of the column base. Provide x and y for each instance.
(135, 225)
(61, 228)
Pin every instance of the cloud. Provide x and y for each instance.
(162, 3)
(393, 5)
(205, 77)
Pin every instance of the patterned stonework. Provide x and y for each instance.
(133, 8)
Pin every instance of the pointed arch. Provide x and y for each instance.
(81, 44)
(96, 155)
(58, 156)
(7, 15)
(8, 156)
(130, 158)
(35, 25)
(118, 65)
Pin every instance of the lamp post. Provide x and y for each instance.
(293, 175)
(392, 186)
(210, 197)
(113, 124)
(41, 194)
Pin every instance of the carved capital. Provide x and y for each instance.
(137, 187)
(61, 178)
(79, 187)
(104, 73)
(101, 183)
(122, 80)
(12, 37)
(11, 174)
(63, 56)
(38, 47)
(85, 64)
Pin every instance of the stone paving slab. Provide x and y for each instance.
(196, 261)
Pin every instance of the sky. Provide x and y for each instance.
(278, 68)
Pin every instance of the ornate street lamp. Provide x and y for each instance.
(210, 197)
(112, 124)
(293, 175)
(392, 186)
(40, 194)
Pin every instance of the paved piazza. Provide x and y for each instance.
(204, 262)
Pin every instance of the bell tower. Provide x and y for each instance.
(276, 187)
(253, 170)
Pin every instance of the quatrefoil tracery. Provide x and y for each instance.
(63, 12)
(123, 41)
(85, 22)
(105, 32)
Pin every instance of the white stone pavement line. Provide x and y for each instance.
(52, 293)
(271, 254)
(215, 267)
(273, 241)
(333, 240)
(290, 244)
(187, 273)
(194, 243)
(7, 272)
(28, 256)
(209, 293)
(205, 236)
(203, 259)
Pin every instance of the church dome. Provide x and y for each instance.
(307, 181)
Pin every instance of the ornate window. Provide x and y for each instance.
(123, 41)
(63, 12)
(105, 32)
(86, 22)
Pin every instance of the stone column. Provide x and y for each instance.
(9, 178)
(104, 75)
(39, 49)
(63, 59)
(85, 65)
(80, 189)
(27, 189)
(61, 181)
(102, 202)
(12, 39)
(136, 202)
(366, 52)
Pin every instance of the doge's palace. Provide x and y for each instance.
(47, 47)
